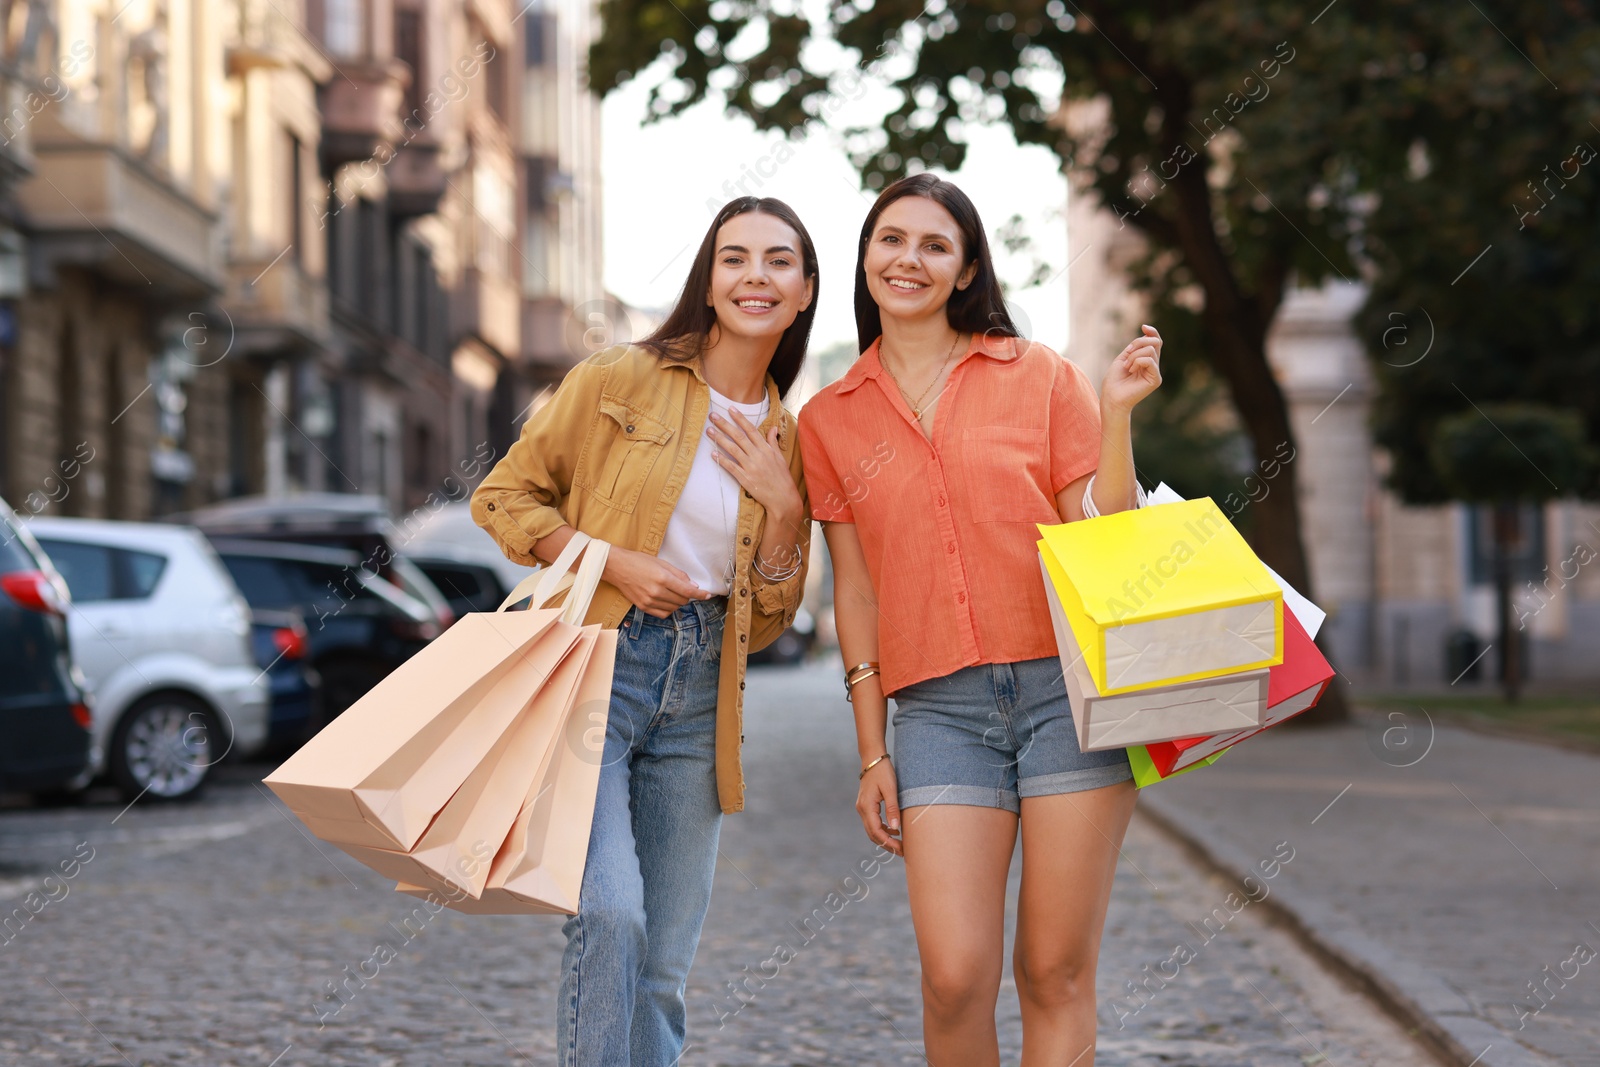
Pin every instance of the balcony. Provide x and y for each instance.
(486, 306)
(275, 307)
(416, 179)
(93, 206)
(361, 110)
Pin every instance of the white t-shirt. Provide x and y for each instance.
(700, 533)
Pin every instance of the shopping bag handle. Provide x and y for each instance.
(550, 580)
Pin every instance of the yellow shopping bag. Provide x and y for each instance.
(1163, 594)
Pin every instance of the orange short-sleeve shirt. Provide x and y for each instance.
(948, 525)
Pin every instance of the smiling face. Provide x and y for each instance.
(914, 259)
(758, 277)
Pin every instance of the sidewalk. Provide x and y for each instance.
(1456, 878)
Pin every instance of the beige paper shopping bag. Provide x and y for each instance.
(539, 870)
(378, 775)
(454, 855)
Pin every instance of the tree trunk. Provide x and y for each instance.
(1236, 324)
(1506, 534)
(1279, 537)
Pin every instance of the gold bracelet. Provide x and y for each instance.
(871, 765)
(855, 676)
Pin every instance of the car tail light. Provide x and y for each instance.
(290, 642)
(81, 716)
(34, 591)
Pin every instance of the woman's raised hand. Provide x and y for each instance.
(880, 787)
(1134, 374)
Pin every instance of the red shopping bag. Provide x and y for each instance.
(1293, 686)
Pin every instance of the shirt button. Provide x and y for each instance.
(491, 506)
(747, 540)
(744, 592)
(961, 598)
(741, 639)
(950, 547)
(628, 428)
(941, 501)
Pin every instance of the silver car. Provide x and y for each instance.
(163, 636)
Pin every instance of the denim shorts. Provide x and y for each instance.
(992, 734)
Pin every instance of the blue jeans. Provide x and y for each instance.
(652, 849)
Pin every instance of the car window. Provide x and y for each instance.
(13, 556)
(456, 583)
(86, 568)
(141, 572)
(261, 581)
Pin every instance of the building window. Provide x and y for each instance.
(421, 455)
(1524, 553)
(296, 205)
(536, 244)
(539, 38)
(343, 26)
(408, 49)
(494, 74)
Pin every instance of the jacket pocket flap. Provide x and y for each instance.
(636, 425)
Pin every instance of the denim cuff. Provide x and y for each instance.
(1047, 785)
(973, 796)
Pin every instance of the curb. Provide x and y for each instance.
(1418, 999)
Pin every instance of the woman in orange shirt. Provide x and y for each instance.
(929, 464)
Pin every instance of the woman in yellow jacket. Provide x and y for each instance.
(677, 452)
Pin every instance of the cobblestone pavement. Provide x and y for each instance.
(1468, 865)
(204, 934)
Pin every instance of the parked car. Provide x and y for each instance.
(164, 638)
(282, 649)
(45, 740)
(358, 626)
(333, 520)
(466, 580)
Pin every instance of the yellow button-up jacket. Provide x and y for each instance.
(609, 455)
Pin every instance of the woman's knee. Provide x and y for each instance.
(952, 990)
(1054, 979)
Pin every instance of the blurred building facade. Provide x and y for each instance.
(262, 246)
(1403, 586)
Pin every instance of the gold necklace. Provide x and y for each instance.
(913, 404)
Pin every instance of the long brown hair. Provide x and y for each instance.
(979, 308)
(682, 336)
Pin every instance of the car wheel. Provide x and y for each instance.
(164, 747)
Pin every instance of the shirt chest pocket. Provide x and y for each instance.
(1004, 474)
(624, 446)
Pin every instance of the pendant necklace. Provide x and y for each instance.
(916, 406)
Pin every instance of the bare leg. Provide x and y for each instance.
(1069, 859)
(957, 858)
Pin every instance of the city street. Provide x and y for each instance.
(207, 934)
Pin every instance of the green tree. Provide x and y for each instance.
(1252, 145)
